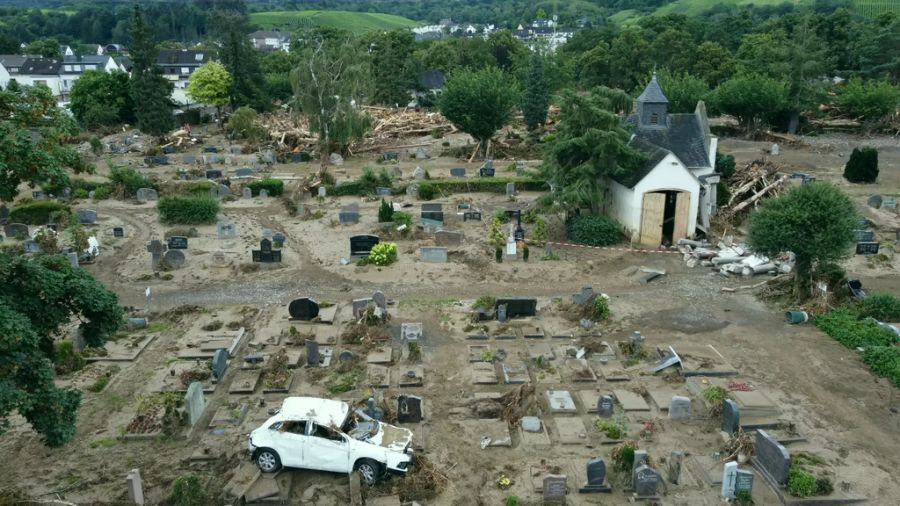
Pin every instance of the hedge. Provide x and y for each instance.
(884, 361)
(843, 325)
(195, 210)
(37, 212)
(129, 179)
(275, 187)
(447, 186)
(593, 229)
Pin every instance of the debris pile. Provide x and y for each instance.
(750, 184)
(731, 258)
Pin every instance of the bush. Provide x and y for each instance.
(245, 124)
(67, 359)
(884, 361)
(723, 194)
(96, 145)
(593, 229)
(500, 214)
(498, 254)
(80, 193)
(868, 98)
(101, 192)
(426, 191)
(383, 253)
(187, 490)
(129, 179)
(883, 307)
(401, 218)
(540, 230)
(801, 483)
(39, 212)
(842, 325)
(183, 210)
(99, 384)
(385, 212)
(274, 187)
(600, 309)
(862, 166)
(485, 302)
(725, 166)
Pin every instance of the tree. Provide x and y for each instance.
(244, 124)
(752, 99)
(674, 49)
(878, 49)
(871, 100)
(479, 102)
(102, 98)
(391, 54)
(536, 96)
(9, 44)
(629, 59)
(41, 294)
(508, 51)
(210, 84)
(593, 66)
(862, 166)
(239, 57)
(48, 48)
(815, 221)
(591, 142)
(35, 159)
(150, 91)
(714, 63)
(682, 89)
(330, 83)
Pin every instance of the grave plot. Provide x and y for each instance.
(480, 353)
(378, 376)
(380, 355)
(123, 349)
(204, 346)
(484, 433)
(533, 433)
(245, 382)
(277, 376)
(155, 415)
(630, 401)
(699, 360)
(179, 375)
(577, 370)
(515, 372)
(571, 431)
(483, 373)
(411, 375)
(560, 401)
(94, 377)
(249, 486)
(754, 408)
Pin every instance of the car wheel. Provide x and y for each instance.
(368, 470)
(267, 460)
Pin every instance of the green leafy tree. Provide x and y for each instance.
(674, 49)
(815, 221)
(629, 59)
(210, 84)
(35, 159)
(536, 96)
(862, 167)
(392, 63)
(479, 102)
(244, 123)
(591, 142)
(877, 50)
(682, 89)
(48, 48)
(102, 98)
(593, 66)
(330, 83)
(752, 99)
(276, 67)
(714, 63)
(871, 100)
(509, 52)
(40, 295)
(150, 91)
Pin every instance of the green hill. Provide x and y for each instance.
(353, 21)
(867, 8)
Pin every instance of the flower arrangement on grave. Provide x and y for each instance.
(382, 254)
(504, 482)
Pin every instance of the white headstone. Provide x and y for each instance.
(323, 192)
(775, 149)
(729, 478)
(135, 487)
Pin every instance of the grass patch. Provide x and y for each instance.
(160, 326)
(357, 22)
(844, 326)
(104, 442)
(99, 384)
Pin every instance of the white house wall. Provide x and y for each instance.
(669, 174)
(620, 206)
(4, 77)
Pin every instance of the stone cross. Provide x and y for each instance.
(729, 478)
(156, 249)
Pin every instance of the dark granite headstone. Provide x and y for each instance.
(519, 306)
(486, 172)
(312, 353)
(214, 174)
(472, 216)
(409, 409)
(265, 253)
(646, 481)
(87, 216)
(605, 406)
(363, 244)
(300, 157)
(219, 363)
(360, 305)
(772, 456)
(433, 216)
(596, 477)
(867, 248)
(178, 242)
(383, 191)
(210, 149)
(174, 259)
(303, 309)
(379, 299)
(743, 482)
(554, 489)
(863, 235)
(458, 172)
(731, 416)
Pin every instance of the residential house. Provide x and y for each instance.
(673, 194)
(177, 66)
(66, 50)
(115, 48)
(74, 66)
(45, 71)
(269, 40)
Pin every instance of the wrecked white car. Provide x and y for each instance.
(313, 433)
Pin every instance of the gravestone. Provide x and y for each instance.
(510, 189)
(729, 476)
(412, 191)
(73, 258)
(345, 356)
(680, 408)
(379, 299)
(874, 201)
(37, 195)
(432, 216)
(390, 156)
(641, 457)
(189, 159)
(31, 246)
(637, 343)
(472, 216)
(501, 313)
(194, 402)
(322, 192)
(219, 363)
(555, 489)
(147, 194)
(178, 242)
(863, 235)
(223, 191)
(265, 254)
(409, 409)
(360, 305)
(336, 159)
(263, 193)
(889, 202)
(676, 460)
(731, 416)
(16, 230)
(87, 216)
(867, 248)
(135, 487)
(268, 157)
(214, 174)
(174, 259)
(397, 173)
(373, 411)
(363, 244)
(433, 255)
(605, 406)
(312, 353)
(531, 424)
(235, 150)
(349, 214)
(156, 248)
(212, 158)
(520, 167)
(421, 154)
(743, 482)
(457, 172)
(226, 231)
(302, 156)
(53, 226)
(382, 191)
(66, 193)
(411, 331)
(210, 149)
(596, 477)
(772, 457)
(486, 172)
(584, 296)
(419, 173)
(303, 308)
(447, 238)
(519, 306)
(774, 150)
(243, 172)
(646, 481)
(247, 193)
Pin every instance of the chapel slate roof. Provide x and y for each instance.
(653, 93)
(683, 136)
(654, 154)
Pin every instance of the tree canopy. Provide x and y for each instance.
(42, 293)
(101, 98)
(150, 91)
(479, 102)
(752, 99)
(536, 97)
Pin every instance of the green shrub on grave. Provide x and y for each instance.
(185, 210)
(39, 212)
(274, 187)
(593, 230)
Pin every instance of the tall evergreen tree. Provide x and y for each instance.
(239, 57)
(536, 96)
(150, 91)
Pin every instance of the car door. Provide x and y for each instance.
(290, 440)
(327, 450)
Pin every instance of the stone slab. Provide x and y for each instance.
(483, 373)
(378, 376)
(476, 432)
(245, 381)
(536, 440)
(327, 314)
(560, 401)
(380, 355)
(515, 372)
(411, 375)
(631, 401)
(570, 430)
(662, 397)
(589, 399)
(538, 349)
